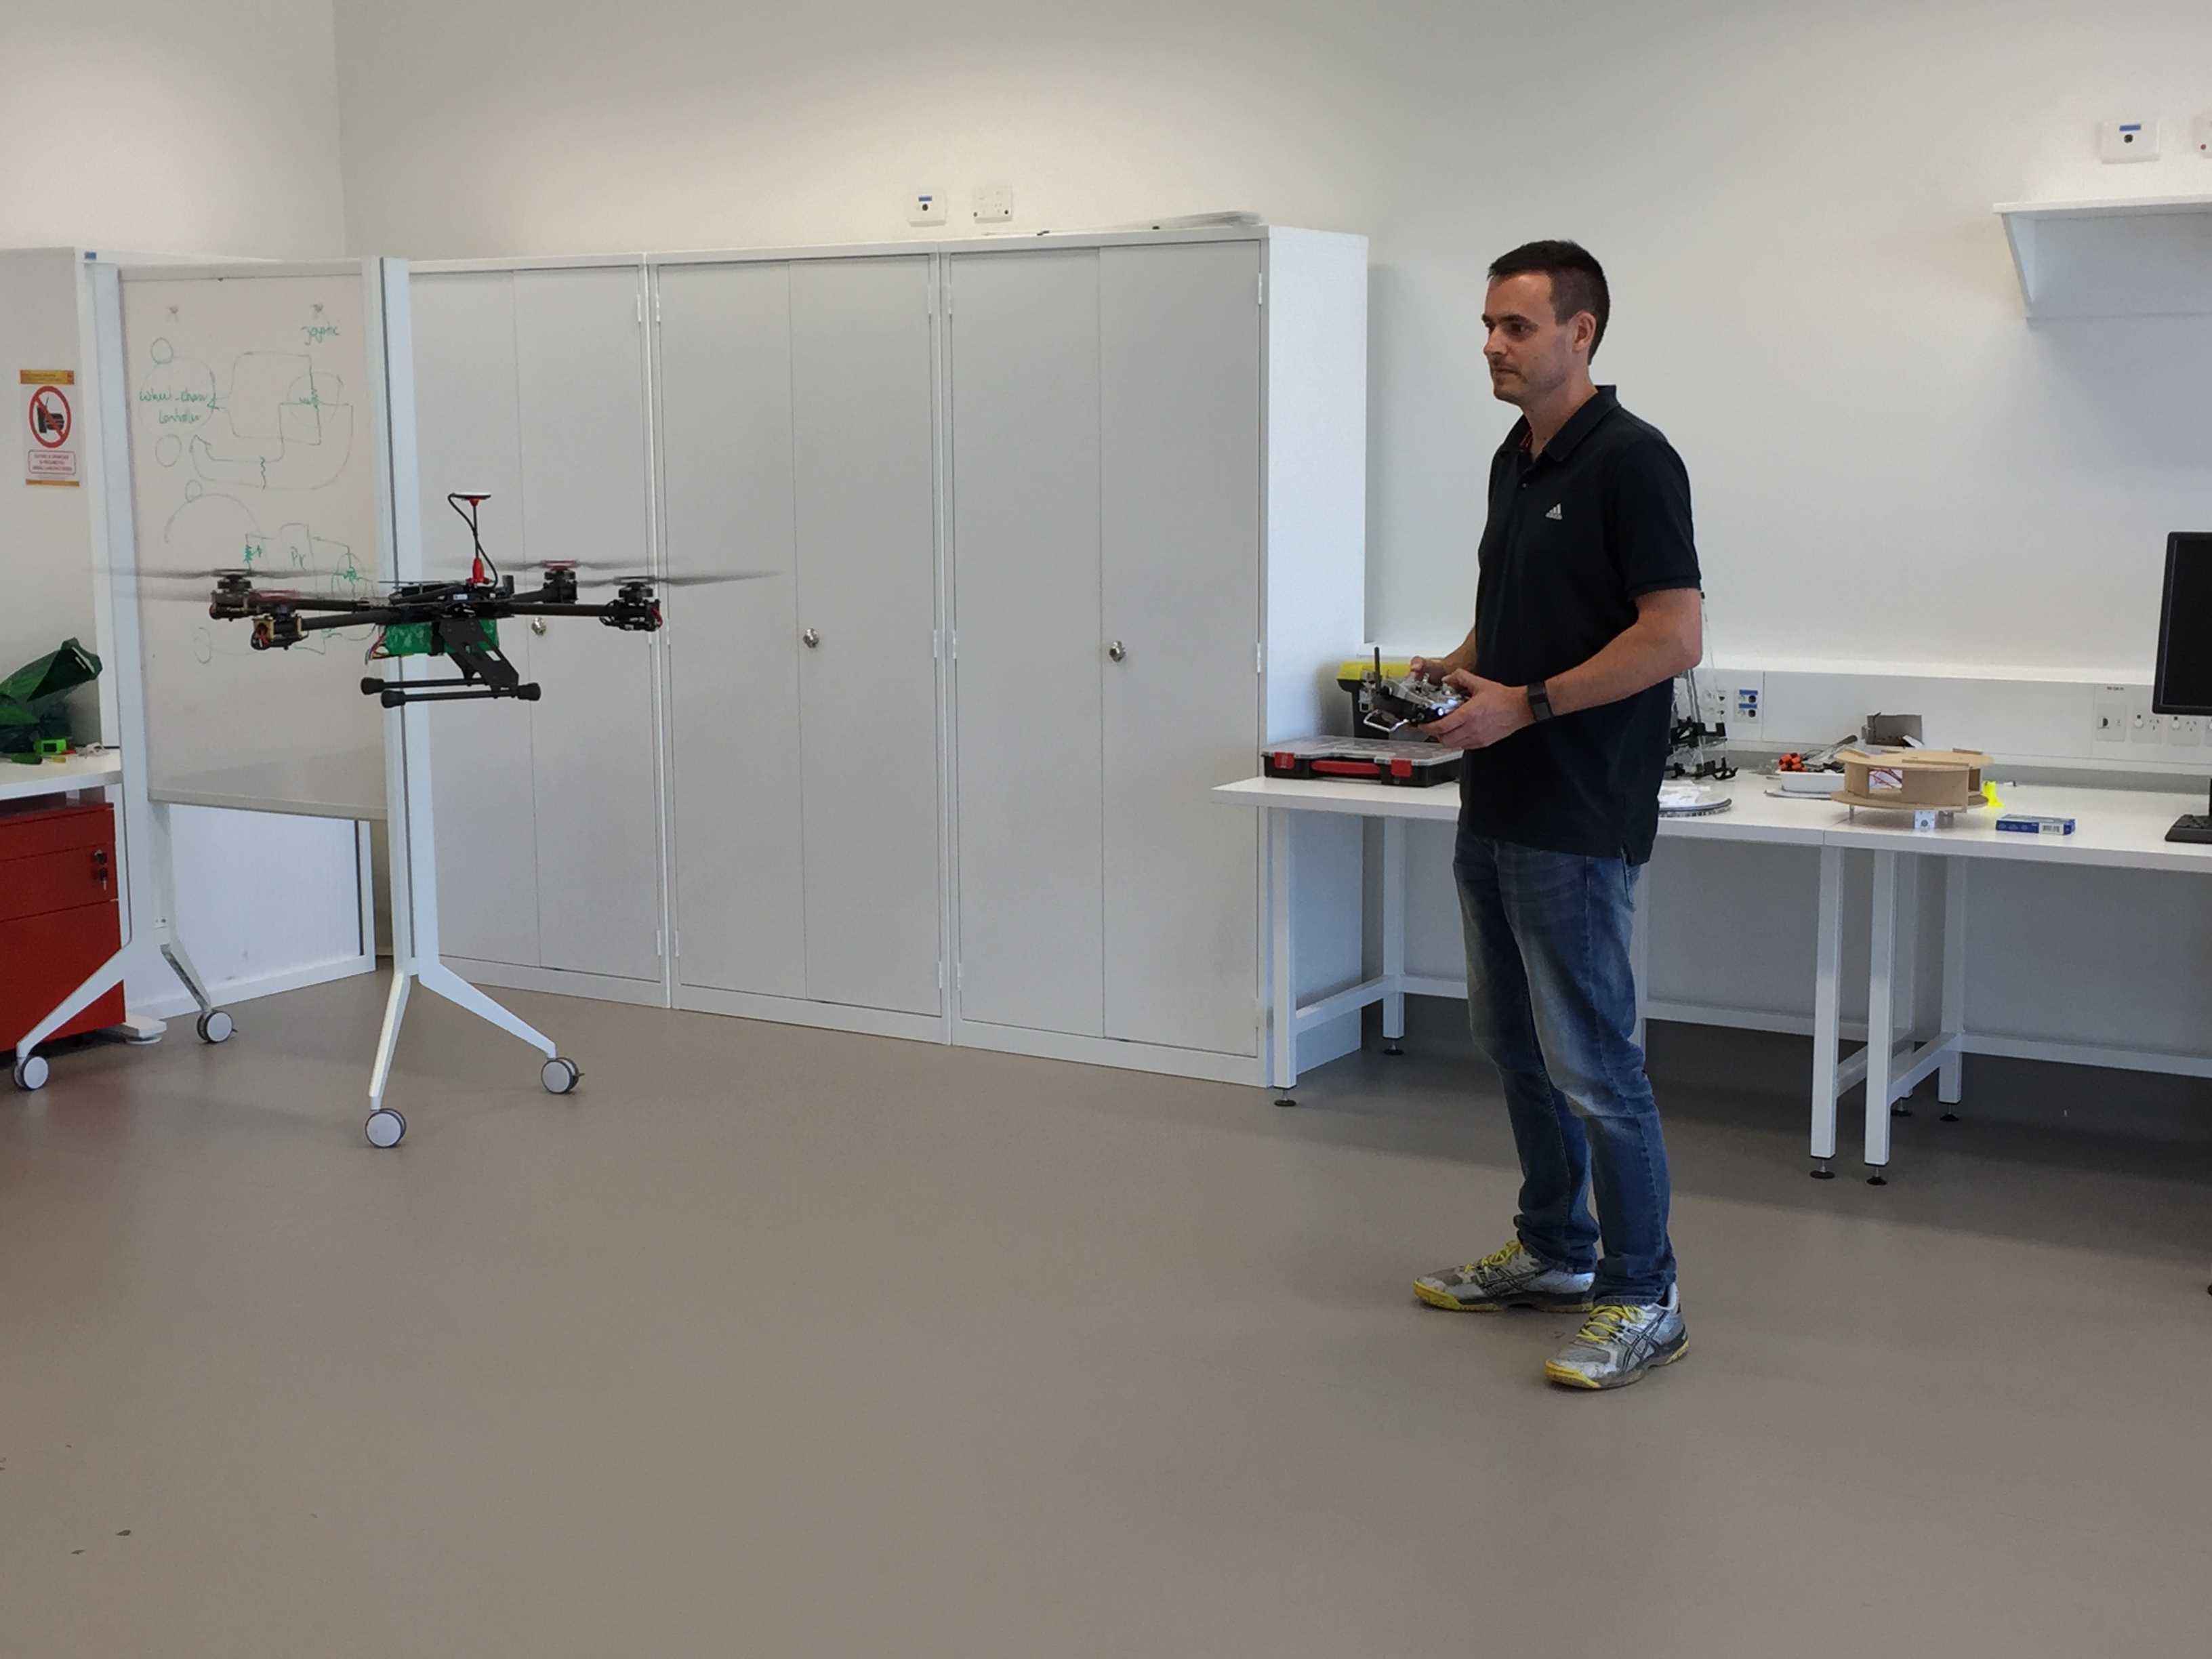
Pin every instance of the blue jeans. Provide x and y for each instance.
(1551, 1000)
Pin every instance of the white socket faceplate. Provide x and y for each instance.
(2135, 140)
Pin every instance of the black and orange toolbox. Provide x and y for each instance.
(1367, 760)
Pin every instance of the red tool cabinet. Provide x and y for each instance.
(59, 915)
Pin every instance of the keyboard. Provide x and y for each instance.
(2191, 826)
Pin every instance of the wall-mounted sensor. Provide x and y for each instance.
(2127, 141)
(924, 207)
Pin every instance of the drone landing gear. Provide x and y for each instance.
(398, 694)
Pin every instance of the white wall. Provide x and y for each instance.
(149, 125)
(205, 128)
(46, 579)
(1814, 299)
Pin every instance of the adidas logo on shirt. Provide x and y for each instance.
(1555, 513)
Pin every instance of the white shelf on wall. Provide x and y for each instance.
(2150, 256)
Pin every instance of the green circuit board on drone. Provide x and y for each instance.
(414, 638)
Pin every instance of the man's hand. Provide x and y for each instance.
(1491, 712)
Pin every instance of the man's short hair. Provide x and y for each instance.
(1577, 280)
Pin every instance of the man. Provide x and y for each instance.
(1586, 607)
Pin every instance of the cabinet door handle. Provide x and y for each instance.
(810, 639)
(1117, 651)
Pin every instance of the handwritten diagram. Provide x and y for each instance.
(277, 424)
(252, 448)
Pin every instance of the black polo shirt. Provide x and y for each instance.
(1576, 535)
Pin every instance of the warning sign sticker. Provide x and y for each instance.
(51, 460)
(50, 416)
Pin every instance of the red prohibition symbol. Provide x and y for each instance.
(50, 416)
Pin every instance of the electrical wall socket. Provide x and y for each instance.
(2128, 141)
(2184, 731)
(994, 204)
(1737, 701)
(2115, 709)
(924, 207)
(2200, 135)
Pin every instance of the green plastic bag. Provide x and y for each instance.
(34, 700)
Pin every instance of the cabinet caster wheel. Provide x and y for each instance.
(385, 1126)
(31, 1073)
(560, 1076)
(214, 1026)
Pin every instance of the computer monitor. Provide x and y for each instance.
(2183, 685)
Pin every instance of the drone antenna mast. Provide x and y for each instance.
(482, 560)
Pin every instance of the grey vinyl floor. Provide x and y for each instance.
(775, 1341)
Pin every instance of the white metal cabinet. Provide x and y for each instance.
(863, 480)
(724, 381)
(1025, 526)
(1113, 527)
(799, 451)
(1156, 440)
(1105, 565)
(1180, 443)
(550, 850)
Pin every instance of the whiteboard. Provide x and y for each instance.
(260, 438)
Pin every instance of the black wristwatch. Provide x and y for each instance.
(1539, 701)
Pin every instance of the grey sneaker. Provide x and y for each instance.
(1511, 1277)
(1620, 1342)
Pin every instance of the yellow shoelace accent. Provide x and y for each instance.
(1608, 1321)
(1497, 1258)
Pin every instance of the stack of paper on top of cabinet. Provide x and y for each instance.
(1945, 779)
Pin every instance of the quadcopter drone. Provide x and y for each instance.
(458, 620)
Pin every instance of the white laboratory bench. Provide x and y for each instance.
(2119, 829)
(51, 777)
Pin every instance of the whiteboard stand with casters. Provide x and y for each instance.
(150, 944)
(415, 957)
(415, 920)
